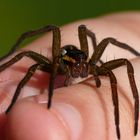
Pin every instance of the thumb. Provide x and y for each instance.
(28, 120)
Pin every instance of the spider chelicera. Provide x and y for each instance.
(72, 62)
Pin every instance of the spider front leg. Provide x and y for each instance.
(56, 54)
(130, 71)
(41, 60)
(83, 32)
(28, 34)
(83, 39)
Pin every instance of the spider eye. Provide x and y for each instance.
(63, 52)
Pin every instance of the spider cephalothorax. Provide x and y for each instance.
(74, 62)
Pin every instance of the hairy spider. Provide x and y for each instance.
(72, 62)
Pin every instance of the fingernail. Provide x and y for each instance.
(70, 117)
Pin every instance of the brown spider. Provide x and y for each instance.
(73, 62)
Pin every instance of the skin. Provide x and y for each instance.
(81, 111)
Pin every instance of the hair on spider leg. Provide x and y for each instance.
(72, 62)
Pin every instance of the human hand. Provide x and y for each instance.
(80, 111)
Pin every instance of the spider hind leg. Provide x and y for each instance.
(130, 71)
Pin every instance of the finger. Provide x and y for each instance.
(30, 121)
(103, 27)
(89, 22)
(78, 112)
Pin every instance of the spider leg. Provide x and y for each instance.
(113, 82)
(82, 30)
(27, 77)
(52, 80)
(67, 80)
(52, 66)
(94, 72)
(30, 34)
(83, 33)
(103, 44)
(55, 64)
(35, 56)
(83, 39)
(93, 39)
(130, 70)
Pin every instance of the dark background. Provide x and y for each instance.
(18, 16)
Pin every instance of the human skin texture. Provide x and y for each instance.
(80, 111)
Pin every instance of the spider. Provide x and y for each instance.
(73, 62)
